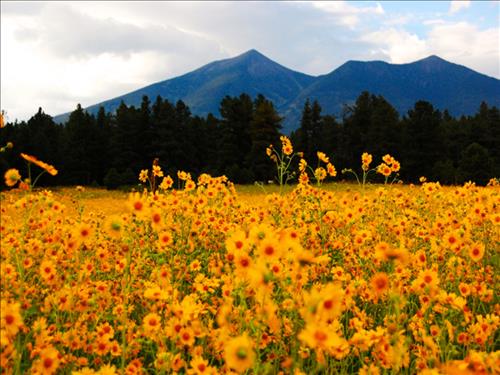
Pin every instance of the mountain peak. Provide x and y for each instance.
(433, 58)
(429, 60)
(251, 54)
(260, 66)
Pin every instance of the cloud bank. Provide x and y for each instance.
(58, 54)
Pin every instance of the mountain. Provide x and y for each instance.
(203, 89)
(446, 85)
(442, 83)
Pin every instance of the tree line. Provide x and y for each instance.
(110, 149)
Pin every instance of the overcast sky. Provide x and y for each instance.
(58, 54)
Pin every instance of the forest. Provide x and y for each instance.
(110, 149)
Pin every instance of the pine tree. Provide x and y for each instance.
(264, 131)
(80, 162)
(165, 142)
(127, 140)
(304, 133)
(422, 142)
(235, 142)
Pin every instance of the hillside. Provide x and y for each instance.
(446, 85)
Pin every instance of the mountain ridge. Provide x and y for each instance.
(446, 85)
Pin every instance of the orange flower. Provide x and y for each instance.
(303, 178)
(12, 176)
(322, 156)
(320, 173)
(10, 317)
(331, 304)
(476, 252)
(269, 248)
(47, 270)
(286, 145)
(464, 289)
(136, 203)
(302, 165)
(366, 159)
(429, 278)
(380, 283)
(190, 185)
(105, 331)
(157, 172)
(166, 183)
(48, 361)
(165, 239)
(317, 336)
(388, 159)
(243, 263)
(186, 336)
(144, 175)
(181, 175)
(239, 354)
(331, 170)
(83, 232)
(395, 167)
(156, 219)
(384, 170)
(108, 370)
(101, 347)
(199, 366)
(31, 159)
(269, 150)
(237, 242)
(151, 323)
(113, 226)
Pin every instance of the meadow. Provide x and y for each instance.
(211, 278)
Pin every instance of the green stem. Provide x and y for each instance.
(36, 179)
(125, 310)
(29, 177)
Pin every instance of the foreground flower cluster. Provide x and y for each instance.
(199, 281)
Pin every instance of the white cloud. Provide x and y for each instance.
(460, 42)
(62, 57)
(67, 32)
(21, 8)
(465, 44)
(57, 54)
(456, 5)
(398, 45)
(345, 13)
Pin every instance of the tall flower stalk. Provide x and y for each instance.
(388, 166)
(12, 176)
(283, 160)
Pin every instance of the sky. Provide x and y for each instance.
(57, 54)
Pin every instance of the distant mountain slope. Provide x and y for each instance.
(444, 84)
(203, 89)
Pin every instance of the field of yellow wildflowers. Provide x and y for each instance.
(206, 279)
